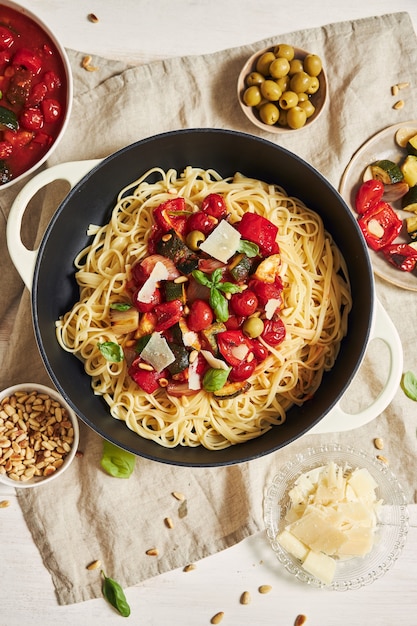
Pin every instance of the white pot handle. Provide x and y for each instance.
(24, 259)
(338, 420)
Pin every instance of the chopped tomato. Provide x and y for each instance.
(51, 81)
(171, 215)
(234, 322)
(200, 316)
(147, 380)
(274, 332)
(266, 291)
(6, 149)
(368, 195)
(234, 346)
(243, 371)
(37, 93)
(51, 110)
(6, 38)
(168, 314)
(214, 205)
(244, 303)
(259, 351)
(43, 139)
(19, 138)
(31, 118)
(28, 59)
(259, 230)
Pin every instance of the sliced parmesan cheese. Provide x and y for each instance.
(222, 242)
(159, 272)
(332, 515)
(157, 352)
(194, 378)
(271, 306)
(213, 361)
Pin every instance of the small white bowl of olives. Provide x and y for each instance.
(282, 88)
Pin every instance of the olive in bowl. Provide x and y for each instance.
(39, 435)
(282, 88)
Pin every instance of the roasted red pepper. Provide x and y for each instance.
(147, 380)
(168, 314)
(234, 346)
(402, 256)
(259, 230)
(380, 225)
(171, 215)
(369, 194)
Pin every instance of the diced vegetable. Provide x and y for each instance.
(401, 255)
(124, 322)
(175, 249)
(386, 171)
(409, 170)
(411, 223)
(380, 225)
(409, 201)
(259, 230)
(231, 390)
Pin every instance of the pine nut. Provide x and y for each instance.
(94, 565)
(152, 552)
(245, 598)
(379, 443)
(216, 619)
(300, 620)
(168, 522)
(398, 105)
(178, 496)
(189, 568)
(264, 588)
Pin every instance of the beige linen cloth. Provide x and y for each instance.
(88, 515)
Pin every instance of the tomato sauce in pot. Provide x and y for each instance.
(33, 93)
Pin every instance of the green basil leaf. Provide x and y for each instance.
(111, 351)
(229, 287)
(409, 384)
(214, 379)
(115, 595)
(216, 277)
(219, 305)
(121, 306)
(202, 278)
(249, 248)
(117, 462)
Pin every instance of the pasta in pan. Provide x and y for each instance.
(314, 309)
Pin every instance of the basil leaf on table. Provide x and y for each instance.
(409, 384)
(117, 462)
(111, 351)
(115, 595)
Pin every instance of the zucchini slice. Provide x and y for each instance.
(8, 119)
(231, 390)
(409, 170)
(411, 223)
(411, 146)
(386, 171)
(409, 201)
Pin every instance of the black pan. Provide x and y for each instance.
(91, 201)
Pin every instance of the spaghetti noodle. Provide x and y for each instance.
(316, 301)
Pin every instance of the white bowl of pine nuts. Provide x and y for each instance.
(39, 435)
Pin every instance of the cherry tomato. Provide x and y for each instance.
(234, 322)
(200, 316)
(31, 118)
(147, 380)
(201, 221)
(6, 38)
(234, 346)
(51, 80)
(6, 149)
(28, 59)
(259, 351)
(243, 371)
(266, 291)
(214, 205)
(244, 303)
(369, 194)
(168, 314)
(51, 110)
(274, 332)
(144, 307)
(37, 94)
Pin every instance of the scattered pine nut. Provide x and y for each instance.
(245, 598)
(300, 620)
(152, 552)
(86, 63)
(189, 568)
(4, 504)
(94, 565)
(394, 90)
(403, 85)
(398, 105)
(92, 18)
(264, 588)
(168, 522)
(178, 496)
(216, 619)
(383, 459)
(378, 443)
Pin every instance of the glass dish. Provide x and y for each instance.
(390, 534)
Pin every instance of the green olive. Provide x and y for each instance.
(313, 86)
(312, 64)
(296, 65)
(308, 107)
(279, 68)
(282, 119)
(270, 90)
(288, 100)
(252, 96)
(284, 51)
(254, 78)
(284, 83)
(300, 82)
(302, 96)
(253, 327)
(269, 113)
(296, 117)
(194, 239)
(264, 61)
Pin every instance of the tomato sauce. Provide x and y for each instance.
(33, 93)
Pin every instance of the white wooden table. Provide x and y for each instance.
(143, 31)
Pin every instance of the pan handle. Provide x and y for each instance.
(24, 259)
(338, 420)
